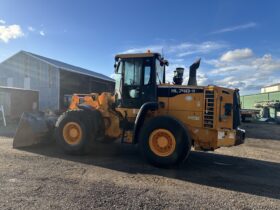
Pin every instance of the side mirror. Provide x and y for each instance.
(164, 63)
(115, 67)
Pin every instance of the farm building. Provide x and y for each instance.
(271, 88)
(269, 98)
(53, 79)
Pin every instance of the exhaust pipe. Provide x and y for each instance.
(192, 73)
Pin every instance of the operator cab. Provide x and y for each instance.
(137, 77)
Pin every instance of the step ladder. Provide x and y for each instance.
(209, 108)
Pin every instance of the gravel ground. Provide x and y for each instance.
(114, 176)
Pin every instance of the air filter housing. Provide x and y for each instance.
(178, 76)
(192, 74)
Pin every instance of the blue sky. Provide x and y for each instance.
(238, 41)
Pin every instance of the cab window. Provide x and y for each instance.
(147, 75)
(159, 72)
(147, 71)
(132, 72)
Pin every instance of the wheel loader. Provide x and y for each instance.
(164, 119)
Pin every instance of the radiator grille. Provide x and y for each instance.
(209, 109)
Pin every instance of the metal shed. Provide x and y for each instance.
(52, 78)
(15, 101)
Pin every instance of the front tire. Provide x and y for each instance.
(164, 141)
(73, 133)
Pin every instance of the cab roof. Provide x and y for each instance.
(137, 55)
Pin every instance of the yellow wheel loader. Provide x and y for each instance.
(164, 119)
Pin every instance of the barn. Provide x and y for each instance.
(55, 80)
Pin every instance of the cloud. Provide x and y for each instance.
(42, 33)
(182, 49)
(153, 48)
(246, 72)
(187, 48)
(202, 78)
(182, 55)
(30, 28)
(10, 32)
(2, 21)
(170, 71)
(235, 28)
(236, 68)
(237, 54)
(231, 82)
(226, 65)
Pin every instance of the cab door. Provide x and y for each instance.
(138, 82)
(149, 83)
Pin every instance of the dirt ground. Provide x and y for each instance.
(116, 177)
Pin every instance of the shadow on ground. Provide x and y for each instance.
(245, 175)
(262, 130)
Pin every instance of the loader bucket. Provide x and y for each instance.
(34, 128)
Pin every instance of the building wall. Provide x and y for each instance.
(17, 101)
(248, 101)
(24, 71)
(270, 89)
(76, 83)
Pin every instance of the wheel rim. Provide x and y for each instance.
(162, 142)
(72, 133)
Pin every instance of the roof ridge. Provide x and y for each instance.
(70, 67)
(272, 85)
(51, 59)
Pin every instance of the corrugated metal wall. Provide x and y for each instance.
(248, 101)
(77, 83)
(17, 101)
(43, 77)
(25, 71)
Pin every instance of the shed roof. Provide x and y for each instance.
(276, 84)
(69, 67)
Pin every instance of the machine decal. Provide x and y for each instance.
(221, 135)
(174, 91)
(193, 117)
(188, 98)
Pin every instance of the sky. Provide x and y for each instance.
(238, 41)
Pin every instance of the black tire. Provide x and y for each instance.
(243, 118)
(89, 131)
(182, 139)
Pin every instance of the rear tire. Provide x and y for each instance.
(74, 132)
(164, 141)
